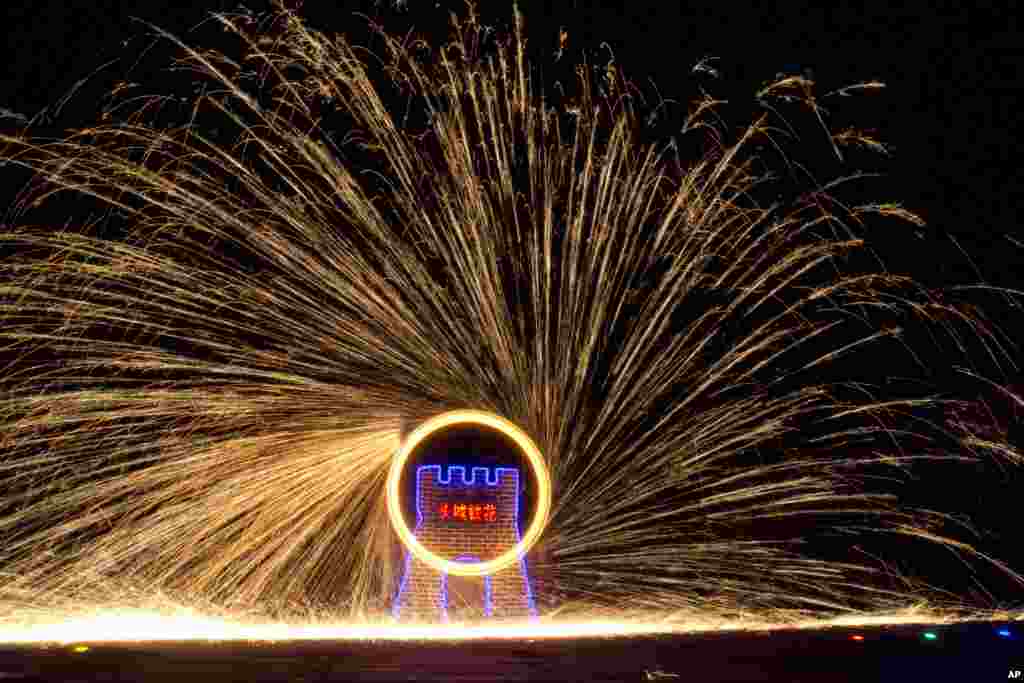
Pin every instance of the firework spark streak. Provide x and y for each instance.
(204, 388)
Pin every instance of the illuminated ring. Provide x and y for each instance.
(526, 446)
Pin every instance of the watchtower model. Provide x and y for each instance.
(465, 514)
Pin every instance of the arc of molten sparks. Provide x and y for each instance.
(537, 465)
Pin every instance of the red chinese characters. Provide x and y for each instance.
(468, 512)
(490, 512)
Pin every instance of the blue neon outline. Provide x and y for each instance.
(396, 604)
(487, 480)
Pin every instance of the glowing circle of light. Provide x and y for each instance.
(527, 447)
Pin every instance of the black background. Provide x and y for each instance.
(949, 114)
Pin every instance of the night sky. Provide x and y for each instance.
(950, 112)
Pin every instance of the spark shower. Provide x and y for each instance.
(272, 276)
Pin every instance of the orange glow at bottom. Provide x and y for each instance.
(137, 625)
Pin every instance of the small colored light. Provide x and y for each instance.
(930, 635)
(858, 638)
(80, 648)
(1004, 632)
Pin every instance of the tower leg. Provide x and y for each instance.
(511, 594)
(419, 594)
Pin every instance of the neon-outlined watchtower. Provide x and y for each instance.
(469, 515)
(468, 496)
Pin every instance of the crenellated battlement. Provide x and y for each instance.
(504, 478)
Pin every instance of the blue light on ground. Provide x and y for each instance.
(1004, 632)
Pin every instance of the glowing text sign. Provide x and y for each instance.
(468, 512)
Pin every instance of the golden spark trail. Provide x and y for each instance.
(204, 385)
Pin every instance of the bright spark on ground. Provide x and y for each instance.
(116, 626)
